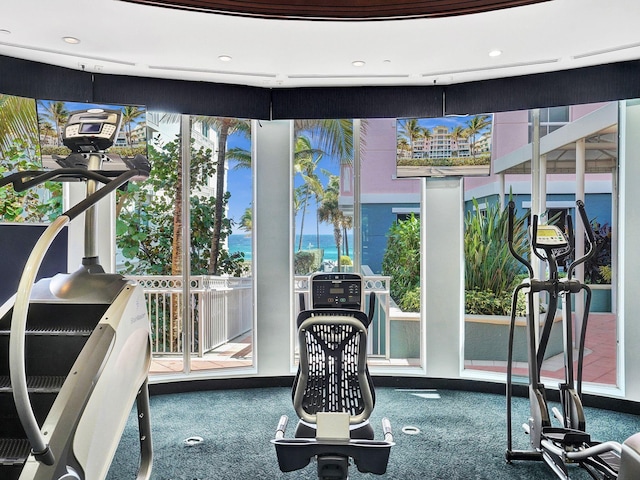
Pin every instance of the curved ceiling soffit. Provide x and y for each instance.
(336, 10)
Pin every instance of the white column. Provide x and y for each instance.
(185, 152)
(357, 213)
(579, 232)
(272, 158)
(536, 263)
(442, 273)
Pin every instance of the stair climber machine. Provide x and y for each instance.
(76, 346)
(332, 393)
(569, 444)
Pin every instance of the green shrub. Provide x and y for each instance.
(303, 262)
(486, 302)
(410, 302)
(345, 260)
(401, 260)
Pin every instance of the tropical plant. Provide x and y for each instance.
(303, 262)
(148, 232)
(401, 259)
(598, 268)
(224, 127)
(246, 221)
(18, 122)
(42, 204)
(329, 212)
(489, 266)
(306, 160)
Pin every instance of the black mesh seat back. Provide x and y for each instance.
(333, 374)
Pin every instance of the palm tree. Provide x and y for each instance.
(306, 161)
(18, 121)
(224, 127)
(412, 132)
(335, 137)
(457, 134)
(329, 212)
(129, 115)
(474, 126)
(246, 221)
(58, 114)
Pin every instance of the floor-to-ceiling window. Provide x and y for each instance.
(202, 222)
(353, 214)
(578, 160)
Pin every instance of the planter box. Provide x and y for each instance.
(601, 298)
(404, 334)
(487, 338)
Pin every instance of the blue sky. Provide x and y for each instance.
(239, 184)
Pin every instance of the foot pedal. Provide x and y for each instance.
(565, 436)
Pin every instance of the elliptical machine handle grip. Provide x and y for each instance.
(586, 223)
(512, 207)
(590, 236)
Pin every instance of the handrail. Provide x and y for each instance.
(17, 370)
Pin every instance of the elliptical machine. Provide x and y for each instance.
(332, 393)
(82, 337)
(568, 444)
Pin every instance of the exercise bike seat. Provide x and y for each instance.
(630, 459)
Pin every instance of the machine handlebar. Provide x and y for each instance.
(386, 429)
(516, 255)
(590, 237)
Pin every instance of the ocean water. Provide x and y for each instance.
(242, 243)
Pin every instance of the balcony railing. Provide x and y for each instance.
(221, 309)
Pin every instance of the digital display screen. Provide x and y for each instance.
(546, 232)
(90, 127)
(458, 145)
(336, 291)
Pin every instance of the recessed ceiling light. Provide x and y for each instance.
(358, 63)
(72, 40)
(225, 58)
(495, 53)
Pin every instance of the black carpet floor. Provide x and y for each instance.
(461, 436)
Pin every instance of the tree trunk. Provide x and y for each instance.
(176, 259)
(219, 208)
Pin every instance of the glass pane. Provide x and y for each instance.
(488, 307)
(150, 245)
(391, 241)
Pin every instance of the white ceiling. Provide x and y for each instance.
(123, 38)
